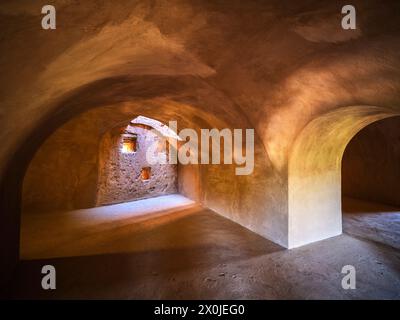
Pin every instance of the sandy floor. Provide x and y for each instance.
(107, 229)
(181, 250)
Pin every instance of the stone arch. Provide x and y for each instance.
(314, 172)
(370, 165)
(159, 97)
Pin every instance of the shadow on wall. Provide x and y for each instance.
(352, 205)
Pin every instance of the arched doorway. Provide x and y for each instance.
(87, 178)
(125, 171)
(370, 183)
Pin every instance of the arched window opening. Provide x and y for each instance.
(126, 173)
(145, 173)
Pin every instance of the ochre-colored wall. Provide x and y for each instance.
(371, 163)
(189, 181)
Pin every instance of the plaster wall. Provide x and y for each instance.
(371, 163)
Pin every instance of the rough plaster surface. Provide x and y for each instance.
(54, 181)
(120, 173)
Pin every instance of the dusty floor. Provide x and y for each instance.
(193, 253)
(372, 221)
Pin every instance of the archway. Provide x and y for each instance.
(314, 173)
(169, 244)
(370, 183)
(84, 165)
